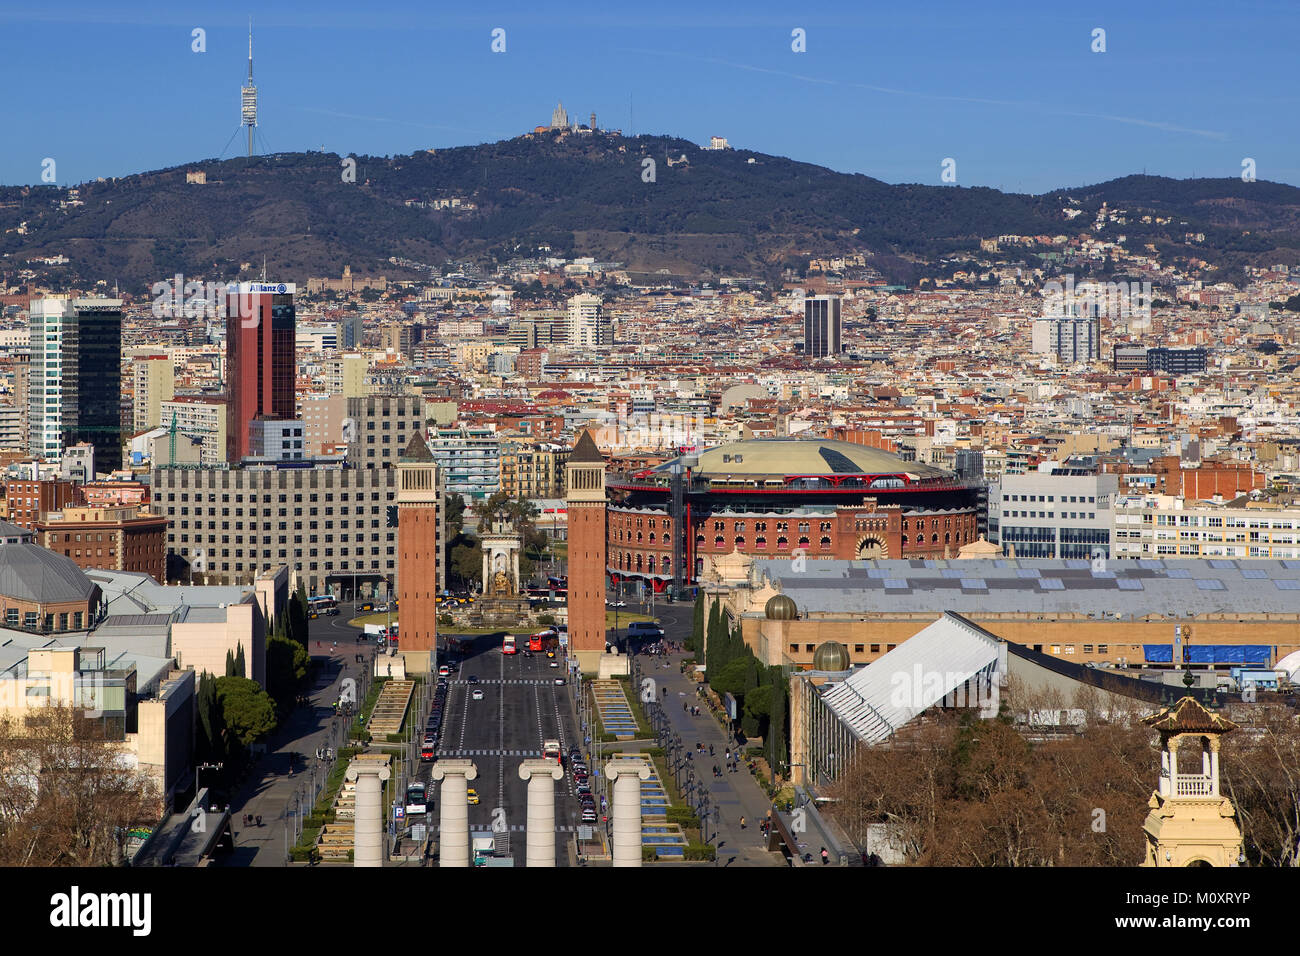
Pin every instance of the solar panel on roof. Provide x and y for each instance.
(973, 584)
(1179, 573)
(1222, 565)
(1102, 574)
(1151, 564)
(896, 584)
(1077, 563)
(1028, 573)
(1286, 584)
(1291, 565)
(1209, 584)
(1129, 584)
(1051, 584)
(1254, 574)
(951, 572)
(877, 572)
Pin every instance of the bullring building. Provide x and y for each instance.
(783, 497)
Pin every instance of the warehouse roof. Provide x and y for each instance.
(1122, 589)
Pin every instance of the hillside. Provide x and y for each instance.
(716, 213)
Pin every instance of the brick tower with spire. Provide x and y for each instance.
(419, 518)
(585, 503)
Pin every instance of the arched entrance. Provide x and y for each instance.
(872, 548)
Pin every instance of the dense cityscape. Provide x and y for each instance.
(564, 548)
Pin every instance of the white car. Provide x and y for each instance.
(555, 663)
(477, 695)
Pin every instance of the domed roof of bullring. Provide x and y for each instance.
(31, 573)
(804, 456)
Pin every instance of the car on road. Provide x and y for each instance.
(555, 663)
(478, 694)
(551, 653)
(444, 671)
(615, 604)
(473, 678)
(588, 814)
(472, 796)
(582, 788)
(560, 681)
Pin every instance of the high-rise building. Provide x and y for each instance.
(75, 388)
(1071, 338)
(1055, 512)
(260, 337)
(349, 331)
(469, 460)
(154, 378)
(419, 543)
(821, 326)
(378, 428)
(588, 328)
(585, 503)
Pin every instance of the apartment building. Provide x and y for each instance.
(533, 471)
(153, 382)
(114, 538)
(469, 460)
(1155, 526)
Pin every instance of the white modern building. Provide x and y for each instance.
(1055, 512)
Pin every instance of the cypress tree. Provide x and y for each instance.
(240, 668)
(230, 664)
(712, 652)
(697, 625)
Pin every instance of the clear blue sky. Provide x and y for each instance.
(1011, 91)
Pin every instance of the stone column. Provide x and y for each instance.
(542, 776)
(453, 838)
(627, 776)
(487, 567)
(368, 823)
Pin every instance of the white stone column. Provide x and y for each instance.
(487, 561)
(453, 837)
(519, 585)
(627, 776)
(368, 822)
(542, 776)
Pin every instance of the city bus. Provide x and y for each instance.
(324, 604)
(415, 799)
(508, 644)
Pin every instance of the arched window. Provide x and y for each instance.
(650, 564)
(782, 544)
(760, 541)
(826, 542)
(803, 541)
(719, 542)
(740, 541)
(652, 537)
(667, 565)
(903, 541)
(638, 562)
(934, 539)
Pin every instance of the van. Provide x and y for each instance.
(648, 629)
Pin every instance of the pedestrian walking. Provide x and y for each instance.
(742, 822)
(710, 750)
(826, 857)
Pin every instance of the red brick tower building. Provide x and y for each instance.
(585, 498)
(261, 325)
(419, 513)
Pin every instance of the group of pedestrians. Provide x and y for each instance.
(690, 709)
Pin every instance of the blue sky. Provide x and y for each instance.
(1011, 91)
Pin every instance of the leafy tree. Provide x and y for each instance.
(247, 710)
(286, 666)
(454, 515)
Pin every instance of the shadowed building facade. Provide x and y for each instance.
(585, 500)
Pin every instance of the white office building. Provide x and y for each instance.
(1055, 512)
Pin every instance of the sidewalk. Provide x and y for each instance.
(735, 794)
(270, 791)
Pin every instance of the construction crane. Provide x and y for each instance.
(189, 433)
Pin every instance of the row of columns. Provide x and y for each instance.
(541, 776)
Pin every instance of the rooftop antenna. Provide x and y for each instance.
(263, 267)
(248, 100)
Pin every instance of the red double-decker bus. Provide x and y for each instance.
(508, 645)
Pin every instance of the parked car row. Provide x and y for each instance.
(582, 785)
(433, 726)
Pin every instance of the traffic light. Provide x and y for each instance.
(392, 516)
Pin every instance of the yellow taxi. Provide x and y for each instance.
(472, 796)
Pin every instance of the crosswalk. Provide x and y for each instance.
(513, 680)
(489, 753)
